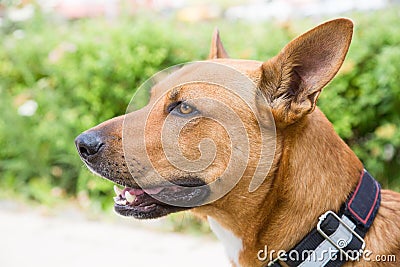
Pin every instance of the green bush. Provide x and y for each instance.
(84, 72)
(79, 74)
(363, 101)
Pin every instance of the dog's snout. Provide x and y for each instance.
(88, 144)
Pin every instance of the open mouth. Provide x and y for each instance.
(158, 201)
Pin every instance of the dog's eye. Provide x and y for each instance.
(181, 108)
(185, 108)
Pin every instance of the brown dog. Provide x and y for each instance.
(310, 170)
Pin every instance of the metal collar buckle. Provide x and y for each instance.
(336, 245)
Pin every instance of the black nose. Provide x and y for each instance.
(88, 144)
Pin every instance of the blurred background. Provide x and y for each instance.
(66, 66)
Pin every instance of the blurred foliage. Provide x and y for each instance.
(79, 74)
(363, 102)
(83, 72)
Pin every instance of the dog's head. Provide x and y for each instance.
(211, 129)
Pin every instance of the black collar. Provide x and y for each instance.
(338, 238)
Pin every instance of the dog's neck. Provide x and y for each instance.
(315, 172)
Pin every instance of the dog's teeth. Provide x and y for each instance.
(117, 190)
(130, 198)
(120, 201)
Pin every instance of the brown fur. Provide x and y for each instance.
(313, 169)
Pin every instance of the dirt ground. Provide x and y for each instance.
(30, 237)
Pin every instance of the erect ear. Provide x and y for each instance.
(293, 80)
(217, 50)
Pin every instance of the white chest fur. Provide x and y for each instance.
(233, 244)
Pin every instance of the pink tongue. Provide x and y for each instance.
(153, 191)
(138, 192)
